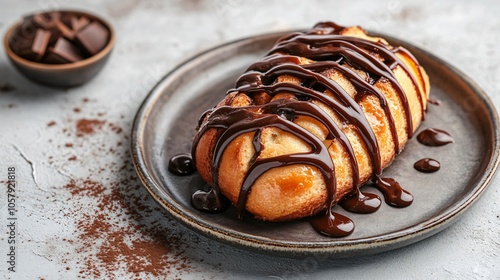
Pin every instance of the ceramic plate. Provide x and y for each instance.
(166, 121)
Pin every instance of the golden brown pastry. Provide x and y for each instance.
(324, 112)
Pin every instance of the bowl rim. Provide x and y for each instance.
(43, 66)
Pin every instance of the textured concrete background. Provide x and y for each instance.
(81, 211)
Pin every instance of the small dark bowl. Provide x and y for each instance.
(62, 75)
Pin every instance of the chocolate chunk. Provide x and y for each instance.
(38, 46)
(63, 52)
(78, 23)
(93, 38)
(40, 43)
(51, 58)
(48, 21)
(56, 34)
(43, 21)
(65, 31)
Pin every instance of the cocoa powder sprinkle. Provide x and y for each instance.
(86, 126)
(138, 248)
(119, 231)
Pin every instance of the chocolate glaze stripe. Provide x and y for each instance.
(340, 47)
(379, 48)
(402, 51)
(218, 118)
(270, 61)
(242, 120)
(350, 112)
(312, 110)
(318, 157)
(252, 79)
(383, 50)
(337, 225)
(390, 59)
(257, 146)
(362, 88)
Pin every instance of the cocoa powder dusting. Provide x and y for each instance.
(120, 232)
(86, 126)
(115, 128)
(137, 248)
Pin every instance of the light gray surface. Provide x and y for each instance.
(152, 38)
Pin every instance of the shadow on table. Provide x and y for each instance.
(11, 81)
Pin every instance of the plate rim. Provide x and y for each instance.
(334, 248)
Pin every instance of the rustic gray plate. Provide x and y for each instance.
(164, 126)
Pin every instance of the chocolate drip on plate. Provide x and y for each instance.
(209, 201)
(393, 193)
(427, 165)
(181, 164)
(361, 202)
(434, 137)
(332, 224)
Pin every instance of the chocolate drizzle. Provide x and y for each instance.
(325, 49)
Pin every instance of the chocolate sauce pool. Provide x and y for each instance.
(327, 50)
(181, 164)
(434, 137)
(427, 165)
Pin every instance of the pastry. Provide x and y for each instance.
(325, 111)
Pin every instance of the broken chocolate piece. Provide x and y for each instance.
(38, 46)
(40, 43)
(65, 31)
(78, 23)
(43, 21)
(93, 38)
(63, 52)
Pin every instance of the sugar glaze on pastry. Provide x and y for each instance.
(325, 111)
